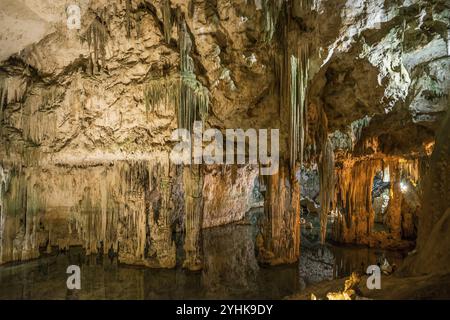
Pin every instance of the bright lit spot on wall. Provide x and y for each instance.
(403, 187)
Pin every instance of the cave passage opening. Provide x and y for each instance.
(380, 199)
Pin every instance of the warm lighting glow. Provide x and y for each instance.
(403, 187)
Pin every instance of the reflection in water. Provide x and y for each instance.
(230, 271)
(318, 263)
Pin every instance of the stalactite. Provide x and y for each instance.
(326, 195)
(128, 14)
(167, 20)
(271, 12)
(191, 8)
(306, 4)
(3, 97)
(299, 73)
(393, 219)
(189, 97)
(164, 92)
(96, 37)
(20, 203)
(210, 9)
(186, 94)
(356, 128)
(12, 90)
(353, 204)
(301, 7)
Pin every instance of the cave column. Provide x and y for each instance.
(394, 211)
(280, 238)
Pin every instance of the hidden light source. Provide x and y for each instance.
(403, 187)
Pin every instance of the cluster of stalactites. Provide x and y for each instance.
(184, 91)
(353, 201)
(12, 89)
(305, 4)
(189, 97)
(271, 14)
(96, 37)
(299, 72)
(327, 186)
(410, 169)
(356, 128)
(165, 91)
(271, 10)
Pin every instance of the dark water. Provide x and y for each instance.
(230, 271)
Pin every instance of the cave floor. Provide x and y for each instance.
(230, 271)
(392, 288)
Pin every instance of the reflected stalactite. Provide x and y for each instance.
(230, 263)
(20, 210)
(116, 208)
(193, 201)
(161, 249)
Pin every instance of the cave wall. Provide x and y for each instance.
(432, 252)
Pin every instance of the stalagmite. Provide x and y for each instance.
(279, 241)
(193, 199)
